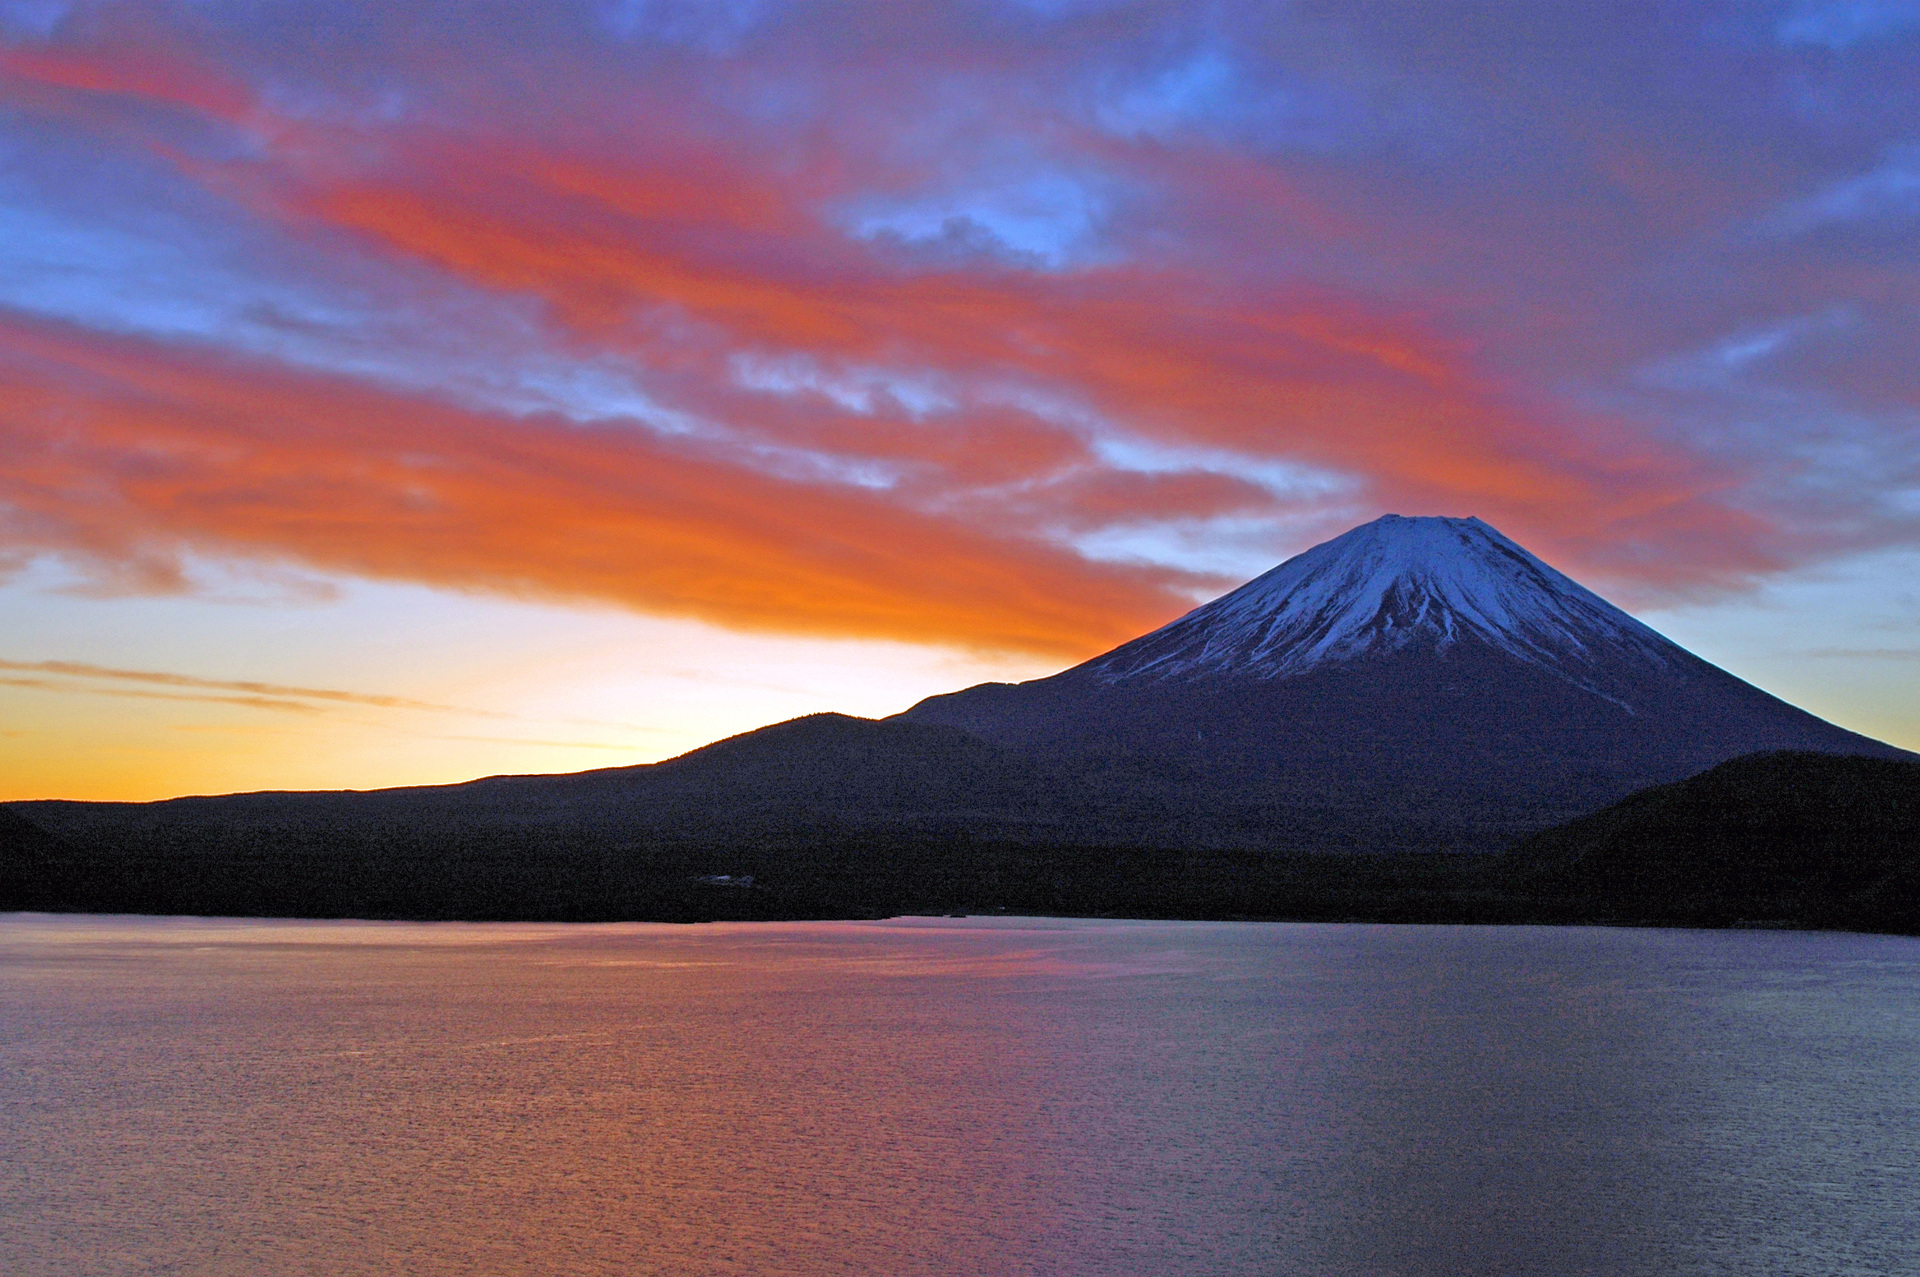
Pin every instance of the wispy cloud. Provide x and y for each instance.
(1886, 194)
(280, 692)
(1862, 653)
(84, 677)
(249, 702)
(552, 744)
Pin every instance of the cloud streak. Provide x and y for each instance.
(277, 704)
(81, 669)
(268, 696)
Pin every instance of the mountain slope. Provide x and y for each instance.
(822, 769)
(834, 756)
(828, 812)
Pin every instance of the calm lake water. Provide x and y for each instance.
(954, 1096)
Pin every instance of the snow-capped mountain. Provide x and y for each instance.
(1393, 584)
(1422, 674)
(1416, 685)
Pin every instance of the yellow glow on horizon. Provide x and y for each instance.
(394, 687)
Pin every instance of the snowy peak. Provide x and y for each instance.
(1390, 585)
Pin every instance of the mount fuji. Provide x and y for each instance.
(1416, 685)
(1413, 683)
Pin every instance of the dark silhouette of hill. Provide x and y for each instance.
(1805, 838)
(1784, 838)
(818, 809)
(823, 768)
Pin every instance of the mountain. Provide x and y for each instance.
(1808, 839)
(1416, 683)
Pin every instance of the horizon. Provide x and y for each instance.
(401, 394)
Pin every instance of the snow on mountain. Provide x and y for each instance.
(1389, 585)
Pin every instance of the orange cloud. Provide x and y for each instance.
(681, 260)
(124, 451)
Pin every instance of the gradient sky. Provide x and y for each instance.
(408, 391)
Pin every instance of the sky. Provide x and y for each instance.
(402, 392)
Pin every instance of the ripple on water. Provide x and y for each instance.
(953, 1096)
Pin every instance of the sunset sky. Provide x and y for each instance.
(405, 392)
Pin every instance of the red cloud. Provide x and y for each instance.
(1295, 373)
(127, 453)
(684, 257)
(147, 76)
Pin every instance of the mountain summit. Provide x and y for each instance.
(1418, 682)
(1393, 585)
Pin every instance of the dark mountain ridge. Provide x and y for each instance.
(818, 767)
(1811, 839)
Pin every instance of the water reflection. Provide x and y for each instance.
(990, 1096)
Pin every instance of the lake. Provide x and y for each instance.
(954, 1096)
